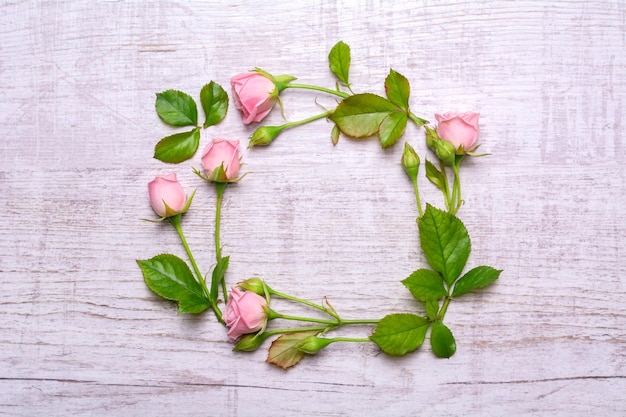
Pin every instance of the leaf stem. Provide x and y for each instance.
(176, 222)
(417, 120)
(219, 187)
(444, 308)
(318, 88)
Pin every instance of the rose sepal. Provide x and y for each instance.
(472, 152)
(218, 176)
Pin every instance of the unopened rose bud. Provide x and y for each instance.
(410, 161)
(264, 135)
(250, 342)
(313, 344)
(431, 138)
(255, 285)
(446, 152)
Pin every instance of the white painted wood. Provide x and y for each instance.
(80, 334)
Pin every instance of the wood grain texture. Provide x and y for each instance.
(80, 334)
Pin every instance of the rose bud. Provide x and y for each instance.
(313, 344)
(445, 151)
(246, 312)
(167, 196)
(250, 342)
(256, 285)
(220, 160)
(255, 95)
(458, 129)
(264, 135)
(410, 161)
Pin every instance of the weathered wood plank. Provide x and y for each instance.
(81, 334)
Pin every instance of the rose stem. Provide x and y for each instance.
(417, 197)
(446, 187)
(219, 187)
(336, 322)
(175, 220)
(417, 120)
(305, 302)
(317, 88)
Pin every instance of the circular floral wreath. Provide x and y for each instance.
(248, 313)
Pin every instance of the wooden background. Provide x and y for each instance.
(80, 333)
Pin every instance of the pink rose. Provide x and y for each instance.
(459, 129)
(221, 153)
(245, 313)
(254, 95)
(167, 196)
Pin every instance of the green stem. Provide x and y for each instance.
(295, 330)
(350, 339)
(365, 321)
(219, 187)
(417, 120)
(444, 308)
(417, 197)
(307, 120)
(305, 302)
(457, 185)
(453, 197)
(307, 319)
(335, 323)
(318, 88)
(175, 220)
(446, 187)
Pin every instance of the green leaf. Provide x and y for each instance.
(445, 242)
(176, 108)
(214, 102)
(170, 277)
(284, 351)
(218, 275)
(334, 134)
(425, 285)
(178, 147)
(479, 277)
(392, 128)
(441, 340)
(339, 61)
(399, 334)
(360, 115)
(435, 176)
(432, 308)
(398, 89)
